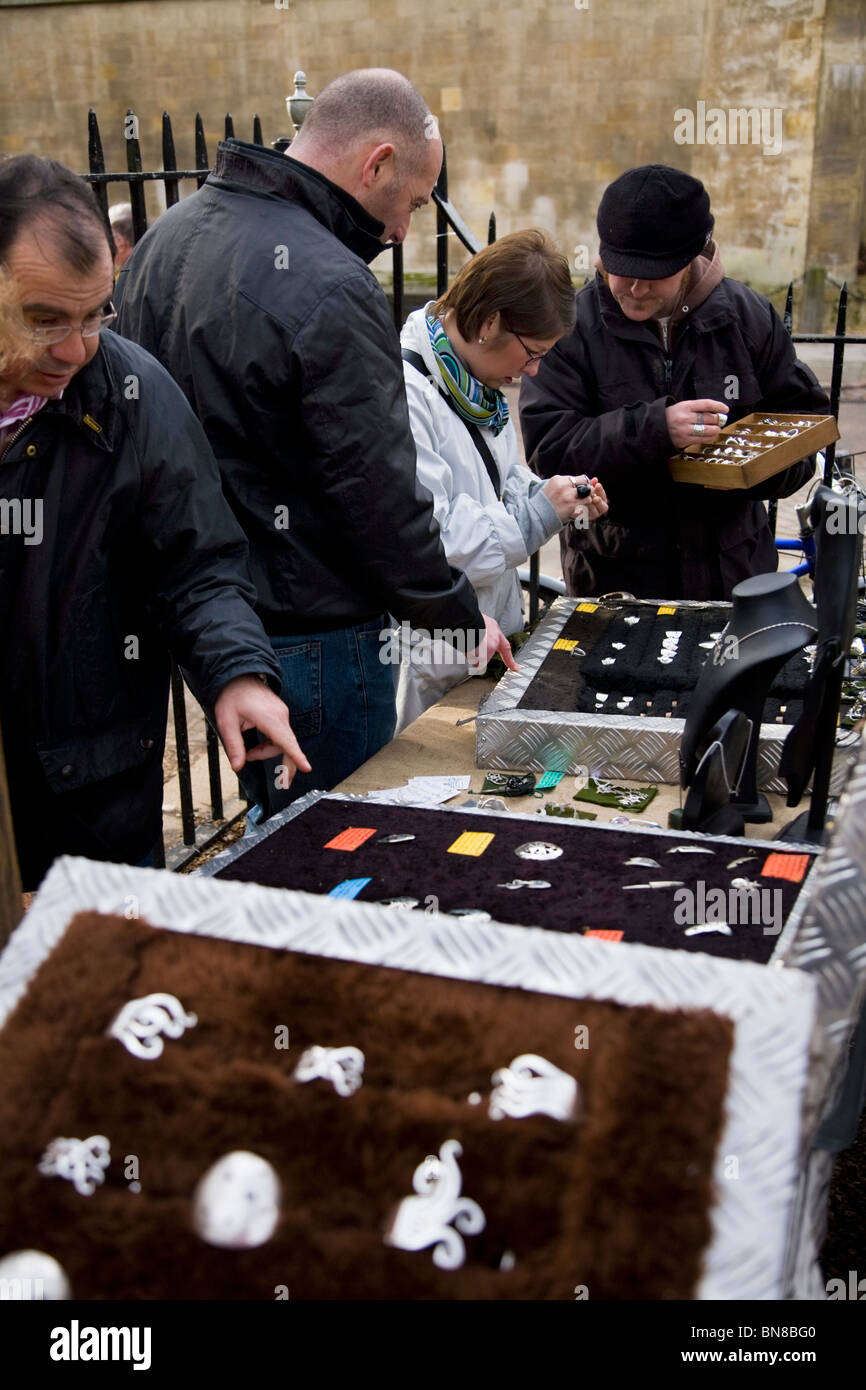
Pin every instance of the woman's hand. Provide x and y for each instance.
(561, 492)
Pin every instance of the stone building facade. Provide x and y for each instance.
(541, 102)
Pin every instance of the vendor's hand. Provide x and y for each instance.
(247, 703)
(685, 415)
(561, 493)
(494, 641)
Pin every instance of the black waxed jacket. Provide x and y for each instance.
(255, 294)
(137, 554)
(597, 406)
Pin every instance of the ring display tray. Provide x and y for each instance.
(530, 871)
(754, 448)
(630, 1197)
(517, 729)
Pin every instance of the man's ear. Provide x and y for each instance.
(378, 165)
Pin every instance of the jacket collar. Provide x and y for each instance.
(266, 172)
(715, 310)
(90, 399)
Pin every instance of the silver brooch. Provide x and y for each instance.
(703, 927)
(342, 1066)
(525, 883)
(81, 1161)
(427, 1218)
(140, 1022)
(532, 1086)
(659, 883)
(538, 849)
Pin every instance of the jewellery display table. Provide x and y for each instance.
(577, 731)
(681, 1073)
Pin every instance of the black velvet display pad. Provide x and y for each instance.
(570, 683)
(587, 880)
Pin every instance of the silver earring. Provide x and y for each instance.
(482, 340)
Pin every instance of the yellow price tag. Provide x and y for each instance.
(472, 842)
(665, 612)
(564, 644)
(586, 608)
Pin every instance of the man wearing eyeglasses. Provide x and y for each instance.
(116, 548)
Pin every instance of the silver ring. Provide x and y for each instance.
(723, 420)
(697, 429)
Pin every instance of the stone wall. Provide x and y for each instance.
(541, 102)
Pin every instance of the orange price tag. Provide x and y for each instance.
(605, 935)
(792, 866)
(350, 839)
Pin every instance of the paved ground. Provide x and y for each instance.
(852, 418)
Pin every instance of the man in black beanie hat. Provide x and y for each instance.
(665, 349)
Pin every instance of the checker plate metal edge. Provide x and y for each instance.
(625, 746)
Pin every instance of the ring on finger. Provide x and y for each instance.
(697, 429)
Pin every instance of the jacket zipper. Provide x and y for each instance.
(11, 440)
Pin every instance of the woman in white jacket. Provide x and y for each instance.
(506, 308)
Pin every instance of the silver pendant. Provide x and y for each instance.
(631, 619)
(618, 646)
(399, 902)
(643, 863)
(236, 1203)
(473, 914)
(707, 927)
(744, 883)
(141, 1020)
(531, 1085)
(538, 849)
(525, 883)
(36, 1276)
(426, 1219)
(689, 849)
(394, 839)
(659, 883)
(744, 859)
(342, 1066)
(608, 660)
(81, 1161)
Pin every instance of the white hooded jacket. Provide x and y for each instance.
(484, 537)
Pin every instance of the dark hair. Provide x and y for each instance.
(524, 278)
(36, 189)
(368, 102)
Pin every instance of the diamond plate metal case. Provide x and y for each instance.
(638, 749)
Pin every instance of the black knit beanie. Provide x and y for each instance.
(652, 222)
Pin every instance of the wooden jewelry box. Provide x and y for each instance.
(754, 448)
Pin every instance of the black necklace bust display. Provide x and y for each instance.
(771, 619)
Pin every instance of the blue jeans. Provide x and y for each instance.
(342, 707)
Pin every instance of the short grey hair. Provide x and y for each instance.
(120, 217)
(368, 103)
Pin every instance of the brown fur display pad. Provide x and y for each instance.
(587, 880)
(618, 1202)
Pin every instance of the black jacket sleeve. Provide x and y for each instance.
(572, 422)
(195, 554)
(789, 387)
(357, 422)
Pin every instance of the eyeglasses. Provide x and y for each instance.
(47, 333)
(530, 355)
